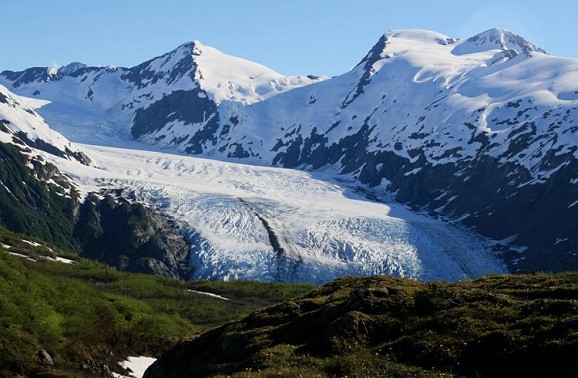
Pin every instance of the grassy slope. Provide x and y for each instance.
(87, 314)
(381, 326)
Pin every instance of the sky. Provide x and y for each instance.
(297, 37)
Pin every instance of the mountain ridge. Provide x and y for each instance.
(502, 38)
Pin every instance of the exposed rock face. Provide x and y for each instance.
(131, 237)
(195, 107)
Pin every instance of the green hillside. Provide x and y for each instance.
(88, 316)
(500, 326)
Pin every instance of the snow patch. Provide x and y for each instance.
(22, 256)
(136, 366)
(34, 244)
(412, 172)
(58, 259)
(209, 294)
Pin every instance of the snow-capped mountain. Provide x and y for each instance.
(480, 131)
(171, 92)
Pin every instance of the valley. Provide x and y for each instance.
(398, 211)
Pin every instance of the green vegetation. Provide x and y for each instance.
(522, 325)
(259, 293)
(88, 315)
(35, 199)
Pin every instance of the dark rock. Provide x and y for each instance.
(131, 237)
(30, 75)
(194, 108)
(45, 358)
(97, 369)
(51, 149)
(142, 75)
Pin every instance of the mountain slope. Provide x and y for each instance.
(35, 198)
(20, 122)
(92, 104)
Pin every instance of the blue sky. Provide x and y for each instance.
(292, 37)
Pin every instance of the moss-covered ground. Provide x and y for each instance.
(498, 326)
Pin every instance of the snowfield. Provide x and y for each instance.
(260, 223)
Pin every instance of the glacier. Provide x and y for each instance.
(324, 224)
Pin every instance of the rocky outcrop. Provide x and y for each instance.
(131, 237)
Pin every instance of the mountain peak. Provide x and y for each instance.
(196, 43)
(402, 39)
(195, 47)
(421, 35)
(71, 68)
(496, 38)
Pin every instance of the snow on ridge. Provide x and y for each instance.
(71, 68)
(421, 88)
(229, 78)
(496, 38)
(421, 35)
(19, 118)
